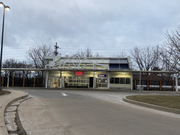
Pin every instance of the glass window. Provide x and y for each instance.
(127, 80)
(104, 85)
(111, 80)
(86, 81)
(116, 80)
(122, 81)
(103, 80)
(82, 81)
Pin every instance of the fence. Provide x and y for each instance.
(153, 85)
(40, 82)
(23, 82)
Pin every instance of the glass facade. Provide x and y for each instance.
(101, 82)
(55, 82)
(114, 80)
(78, 81)
(90, 80)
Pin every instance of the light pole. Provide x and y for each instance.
(5, 8)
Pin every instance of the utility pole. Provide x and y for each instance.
(56, 47)
(2, 38)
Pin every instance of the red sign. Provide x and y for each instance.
(79, 73)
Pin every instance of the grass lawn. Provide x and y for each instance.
(4, 92)
(161, 100)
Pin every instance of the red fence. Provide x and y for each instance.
(23, 82)
(155, 85)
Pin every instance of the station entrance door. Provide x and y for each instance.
(101, 82)
(54, 82)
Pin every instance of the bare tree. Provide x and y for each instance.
(80, 52)
(122, 54)
(170, 52)
(164, 61)
(36, 55)
(145, 58)
(97, 55)
(87, 53)
(12, 63)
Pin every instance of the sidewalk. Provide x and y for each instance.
(5, 100)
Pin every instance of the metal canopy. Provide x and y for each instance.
(110, 70)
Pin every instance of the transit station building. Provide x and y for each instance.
(91, 72)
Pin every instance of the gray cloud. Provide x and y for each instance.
(103, 25)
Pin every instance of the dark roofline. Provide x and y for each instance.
(51, 57)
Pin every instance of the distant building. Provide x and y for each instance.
(88, 72)
(96, 73)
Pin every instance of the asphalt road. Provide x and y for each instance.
(78, 112)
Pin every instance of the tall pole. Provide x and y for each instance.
(2, 46)
(56, 47)
(8, 8)
(140, 82)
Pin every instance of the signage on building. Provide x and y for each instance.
(78, 73)
(102, 75)
(86, 81)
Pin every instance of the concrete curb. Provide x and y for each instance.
(90, 89)
(3, 129)
(161, 108)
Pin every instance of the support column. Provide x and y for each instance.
(47, 74)
(147, 84)
(34, 82)
(140, 78)
(94, 66)
(13, 81)
(45, 82)
(140, 82)
(173, 85)
(108, 81)
(131, 81)
(94, 80)
(60, 79)
(23, 81)
(2, 84)
(8, 80)
(135, 85)
(176, 82)
(160, 85)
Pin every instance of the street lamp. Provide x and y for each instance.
(5, 8)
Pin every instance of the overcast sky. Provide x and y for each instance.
(105, 26)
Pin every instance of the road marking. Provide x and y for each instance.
(64, 94)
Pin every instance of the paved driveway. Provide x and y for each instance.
(78, 112)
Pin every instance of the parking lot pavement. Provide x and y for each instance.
(78, 112)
